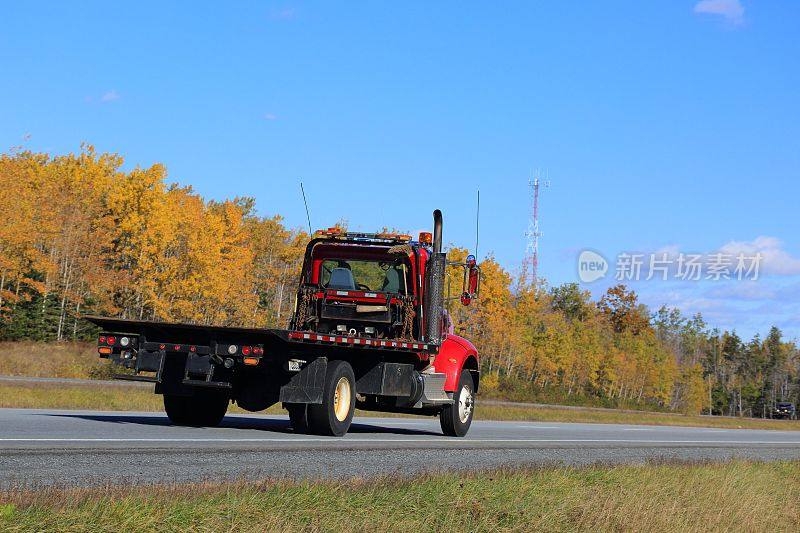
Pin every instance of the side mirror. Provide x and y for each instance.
(472, 277)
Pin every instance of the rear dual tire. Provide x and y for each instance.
(334, 415)
(203, 409)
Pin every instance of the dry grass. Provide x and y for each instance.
(736, 496)
(94, 397)
(555, 414)
(56, 360)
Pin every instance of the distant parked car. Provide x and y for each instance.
(785, 410)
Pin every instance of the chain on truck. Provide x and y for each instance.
(369, 331)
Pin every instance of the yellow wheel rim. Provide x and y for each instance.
(341, 399)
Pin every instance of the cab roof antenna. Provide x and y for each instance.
(477, 223)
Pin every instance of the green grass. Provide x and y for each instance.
(735, 496)
(122, 398)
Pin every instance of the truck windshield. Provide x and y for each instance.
(378, 276)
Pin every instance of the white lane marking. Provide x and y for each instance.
(429, 440)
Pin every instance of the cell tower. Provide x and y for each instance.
(533, 233)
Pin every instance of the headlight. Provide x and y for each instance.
(124, 341)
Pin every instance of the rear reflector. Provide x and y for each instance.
(250, 361)
(105, 350)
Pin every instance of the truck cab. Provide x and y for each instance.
(369, 330)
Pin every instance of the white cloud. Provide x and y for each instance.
(731, 10)
(743, 291)
(110, 96)
(774, 259)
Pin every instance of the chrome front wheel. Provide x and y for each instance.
(457, 417)
(466, 400)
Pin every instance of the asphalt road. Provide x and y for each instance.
(43, 447)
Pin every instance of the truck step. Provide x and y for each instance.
(434, 389)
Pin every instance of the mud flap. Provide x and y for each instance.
(307, 385)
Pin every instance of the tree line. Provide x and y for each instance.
(82, 236)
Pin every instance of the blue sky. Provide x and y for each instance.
(667, 125)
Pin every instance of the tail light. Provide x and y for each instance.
(102, 339)
(252, 361)
(258, 350)
(111, 340)
(246, 350)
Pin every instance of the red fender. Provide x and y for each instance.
(455, 354)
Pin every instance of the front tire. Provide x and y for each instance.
(200, 410)
(335, 414)
(456, 418)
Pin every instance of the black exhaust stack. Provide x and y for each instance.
(435, 285)
(437, 232)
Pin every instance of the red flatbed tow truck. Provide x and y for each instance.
(369, 331)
